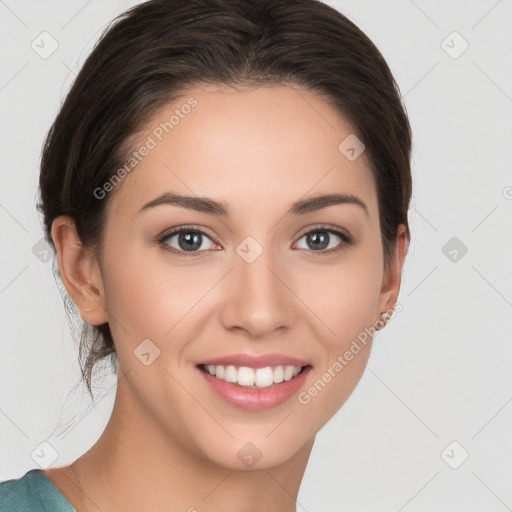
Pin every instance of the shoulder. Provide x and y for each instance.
(33, 492)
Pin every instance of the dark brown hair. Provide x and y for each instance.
(148, 54)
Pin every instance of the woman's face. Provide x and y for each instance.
(258, 273)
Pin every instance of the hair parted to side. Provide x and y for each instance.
(150, 53)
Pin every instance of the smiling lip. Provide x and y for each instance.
(255, 361)
(255, 399)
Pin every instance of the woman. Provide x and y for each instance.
(226, 188)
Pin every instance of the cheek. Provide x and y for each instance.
(349, 312)
(348, 302)
(148, 296)
(346, 297)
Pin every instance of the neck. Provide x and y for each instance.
(137, 465)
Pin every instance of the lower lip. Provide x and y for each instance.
(253, 398)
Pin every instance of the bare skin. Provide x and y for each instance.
(171, 444)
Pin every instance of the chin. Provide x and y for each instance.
(253, 452)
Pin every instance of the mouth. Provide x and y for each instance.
(254, 382)
(253, 378)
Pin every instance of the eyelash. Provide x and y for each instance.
(346, 240)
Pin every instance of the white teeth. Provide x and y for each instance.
(251, 377)
(288, 372)
(278, 374)
(245, 376)
(231, 374)
(264, 377)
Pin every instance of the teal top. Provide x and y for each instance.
(33, 492)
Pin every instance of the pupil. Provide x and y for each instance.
(191, 241)
(316, 237)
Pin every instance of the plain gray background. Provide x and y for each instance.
(438, 385)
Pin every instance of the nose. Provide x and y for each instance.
(259, 298)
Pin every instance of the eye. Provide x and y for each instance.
(189, 241)
(320, 239)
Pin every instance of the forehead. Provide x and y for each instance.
(267, 145)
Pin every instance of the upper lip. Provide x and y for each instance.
(255, 361)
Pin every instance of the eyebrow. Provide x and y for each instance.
(220, 209)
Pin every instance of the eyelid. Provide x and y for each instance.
(188, 227)
(329, 228)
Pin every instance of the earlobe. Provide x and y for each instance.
(393, 277)
(79, 271)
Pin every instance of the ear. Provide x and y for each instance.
(392, 277)
(79, 271)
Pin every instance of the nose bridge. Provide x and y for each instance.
(259, 301)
